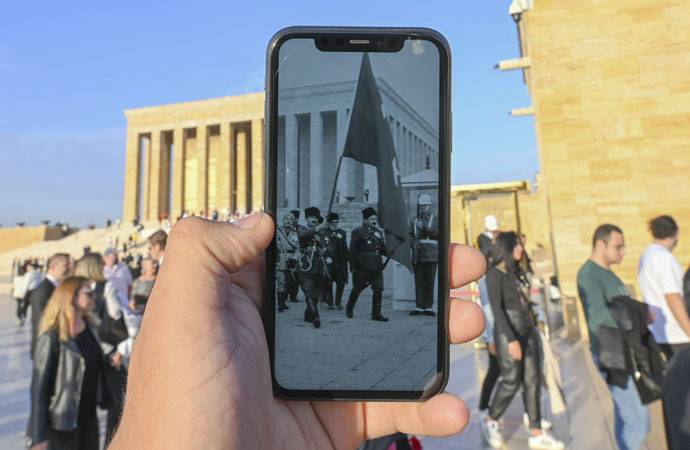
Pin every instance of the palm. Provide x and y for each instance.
(200, 372)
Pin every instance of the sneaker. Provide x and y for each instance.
(545, 424)
(416, 312)
(429, 312)
(545, 442)
(492, 433)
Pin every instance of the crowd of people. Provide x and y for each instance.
(631, 341)
(85, 316)
(315, 258)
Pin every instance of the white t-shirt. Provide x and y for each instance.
(659, 273)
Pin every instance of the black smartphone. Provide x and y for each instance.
(357, 178)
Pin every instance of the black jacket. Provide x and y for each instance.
(631, 349)
(367, 248)
(513, 317)
(56, 386)
(38, 298)
(686, 289)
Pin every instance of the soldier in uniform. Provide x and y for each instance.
(293, 285)
(424, 231)
(367, 248)
(312, 269)
(338, 253)
(288, 256)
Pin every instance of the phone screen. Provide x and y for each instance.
(360, 218)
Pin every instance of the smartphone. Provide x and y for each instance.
(357, 178)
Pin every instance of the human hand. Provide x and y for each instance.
(40, 446)
(515, 350)
(200, 374)
(491, 348)
(116, 360)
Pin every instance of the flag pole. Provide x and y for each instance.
(335, 184)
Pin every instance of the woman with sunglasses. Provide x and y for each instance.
(66, 382)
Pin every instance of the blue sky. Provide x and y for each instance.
(69, 69)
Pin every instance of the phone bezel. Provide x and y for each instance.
(270, 202)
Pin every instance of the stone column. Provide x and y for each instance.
(257, 158)
(316, 173)
(224, 181)
(241, 161)
(155, 186)
(291, 161)
(346, 168)
(202, 169)
(178, 174)
(132, 177)
(146, 144)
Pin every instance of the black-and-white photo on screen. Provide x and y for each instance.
(357, 218)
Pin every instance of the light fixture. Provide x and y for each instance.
(516, 9)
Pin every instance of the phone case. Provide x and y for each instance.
(270, 200)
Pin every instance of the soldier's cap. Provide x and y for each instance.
(368, 212)
(312, 211)
(295, 212)
(424, 199)
(332, 217)
(291, 214)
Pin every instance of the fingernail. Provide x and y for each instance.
(249, 222)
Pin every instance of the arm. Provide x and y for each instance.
(677, 306)
(494, 287)
(43, 379)
(432, 229)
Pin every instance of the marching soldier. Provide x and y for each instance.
(293, 285)
(288, 254)
(367, 247)
(424, 231)
(338, 252)
(312, 269)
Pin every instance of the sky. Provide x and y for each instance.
(68, 70)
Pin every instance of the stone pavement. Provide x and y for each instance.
(588, 423)
(361, 353)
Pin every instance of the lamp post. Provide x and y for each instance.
(515, 10)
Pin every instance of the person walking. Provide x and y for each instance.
(517, 345)
(22, 285)
(367, 248)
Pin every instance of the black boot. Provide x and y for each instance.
(349, 309)
(316, 321)
(281, 301)
(308, 311)
(376, 308)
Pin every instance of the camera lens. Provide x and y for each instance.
(340, 42)
(325, 41)
(392, 42)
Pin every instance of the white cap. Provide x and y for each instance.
(424, 199)
(491, 223)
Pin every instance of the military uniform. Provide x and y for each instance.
(424, 232)
(293, 284)
(312, 268)
(287, 241)
(367, 248)
(338, 254)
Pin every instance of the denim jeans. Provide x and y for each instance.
(631, 416)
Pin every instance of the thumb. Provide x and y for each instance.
(201, 255)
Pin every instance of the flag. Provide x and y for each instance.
(369, 141)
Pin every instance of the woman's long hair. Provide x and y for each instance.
(90, 267)
(502, 250)
(60, 311)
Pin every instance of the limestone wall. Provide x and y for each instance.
(12, 238)
(610, 83)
